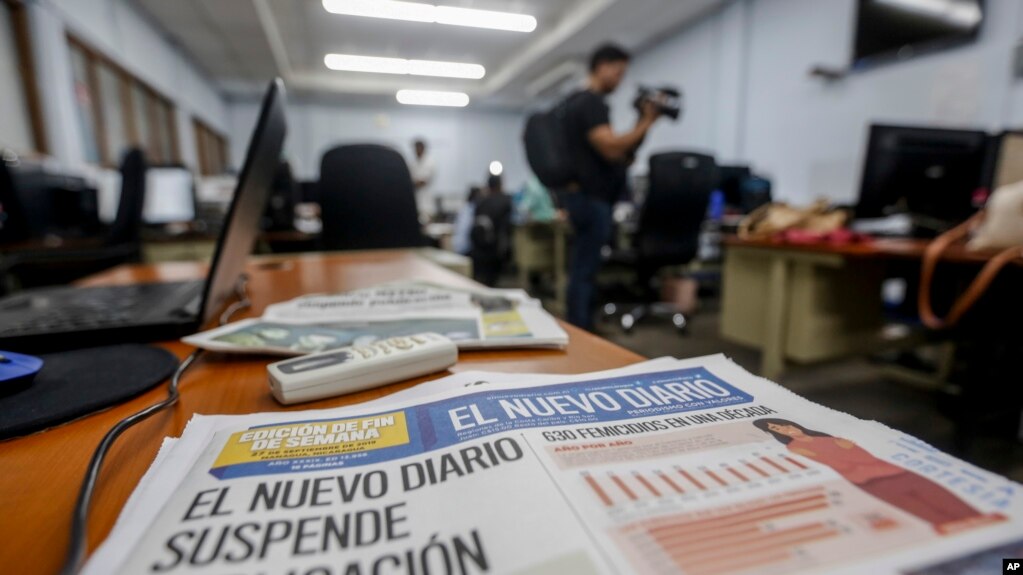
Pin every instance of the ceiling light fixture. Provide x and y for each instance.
(378, 65)
(433, 98)
(496, 168)
(417, 12)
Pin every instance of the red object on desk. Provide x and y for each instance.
(840, 236)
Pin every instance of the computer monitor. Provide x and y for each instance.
(170, 196)
(931, 174)
(43, 203)
(730, 180)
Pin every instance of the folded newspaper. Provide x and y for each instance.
(473, 318)
(666, 466)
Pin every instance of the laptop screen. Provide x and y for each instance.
(250, 197)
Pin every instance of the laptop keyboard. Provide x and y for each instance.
(72, 310)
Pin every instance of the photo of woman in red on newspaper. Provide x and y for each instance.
(913, 493)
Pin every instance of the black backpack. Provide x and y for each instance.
(490, 233)
(547, 148)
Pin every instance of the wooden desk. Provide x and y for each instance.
(41, 473)
(879, 249)
(541, 247)
(809, 303)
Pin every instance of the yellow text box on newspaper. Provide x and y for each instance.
(504, 324)
(314, 439)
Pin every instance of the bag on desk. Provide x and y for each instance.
(998, 226)
(771, 219)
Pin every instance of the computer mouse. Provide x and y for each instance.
(17, 371)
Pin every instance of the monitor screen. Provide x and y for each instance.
(926, 172)
(730, 180)
(899, 29)
(170, 197)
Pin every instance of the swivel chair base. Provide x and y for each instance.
(636, 313)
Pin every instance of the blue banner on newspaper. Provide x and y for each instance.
(388, 435)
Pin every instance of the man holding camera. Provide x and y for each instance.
(601, 158)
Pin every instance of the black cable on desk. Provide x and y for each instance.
(80, 516)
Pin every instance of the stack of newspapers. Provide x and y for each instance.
(472, 318)
(666, 466)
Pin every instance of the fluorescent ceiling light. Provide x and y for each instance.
(485, 19)
(433, 98)
(417, 12)
(390, 9)
(352, 63)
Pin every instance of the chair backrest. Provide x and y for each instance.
(284, 194)
(13, 222)
(367, 199)
(676, 205)
(128, 223)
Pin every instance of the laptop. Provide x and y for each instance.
(53, 319)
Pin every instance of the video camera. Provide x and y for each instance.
(668, 100)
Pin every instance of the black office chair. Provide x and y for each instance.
(284, 194)
(668, 231)
(13, 224)
(121, 244)
(126, 230)
(367, 199)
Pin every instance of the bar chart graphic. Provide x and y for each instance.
(798, 530)
(768, 531)
(613, 489)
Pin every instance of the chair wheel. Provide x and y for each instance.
(680, 323)
(628, 322)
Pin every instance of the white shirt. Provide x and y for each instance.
(423, 170)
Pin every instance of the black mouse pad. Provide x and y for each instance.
(75, 383)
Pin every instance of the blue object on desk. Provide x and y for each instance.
(716, 206)
(17, 371)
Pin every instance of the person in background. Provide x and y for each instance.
(601, 157)
(423, 171)
(534, 203)
(461, 240)
(491, 232)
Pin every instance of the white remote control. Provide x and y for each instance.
(359, 367)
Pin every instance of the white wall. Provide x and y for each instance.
(115, 28)
(462, 141)
(810, 135)
(744, 70)
(705, 60)
(15, 126)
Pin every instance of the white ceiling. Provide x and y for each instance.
(242, 43)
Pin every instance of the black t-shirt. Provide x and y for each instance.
(596, 176)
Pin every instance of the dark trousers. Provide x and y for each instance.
(591, 226)
(486, 268)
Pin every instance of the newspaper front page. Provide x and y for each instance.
(473, 319)
(670, 466)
